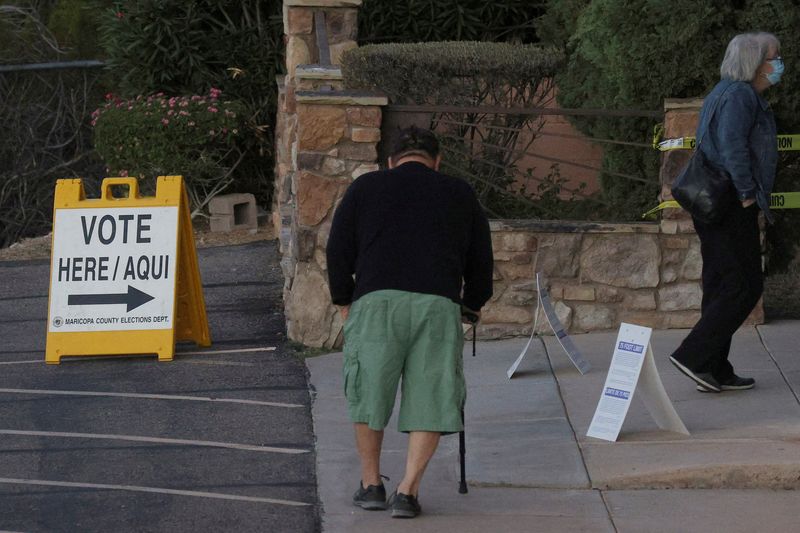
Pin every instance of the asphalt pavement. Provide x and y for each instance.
(220, 439)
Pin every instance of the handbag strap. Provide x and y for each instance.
(711, 115)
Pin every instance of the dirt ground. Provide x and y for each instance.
(39, 247)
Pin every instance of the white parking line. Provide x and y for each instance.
(154, 440)
(215, 362)
(134, 488)
(206, 352)
(240, 350)
(45, 392)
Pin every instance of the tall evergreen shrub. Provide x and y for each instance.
(782, 17)
(635, 54)
(632, 55)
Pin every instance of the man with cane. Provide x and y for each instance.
(409, 253)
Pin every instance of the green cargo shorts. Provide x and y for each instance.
(390, 334)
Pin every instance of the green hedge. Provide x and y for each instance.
(448, 20)
(459, 73)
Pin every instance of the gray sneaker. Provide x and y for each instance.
(734, 383)
(404, 505)
(705, 380)
(373, 498)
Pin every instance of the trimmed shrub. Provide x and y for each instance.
(448, 20)
(158, 135)
(458, 73)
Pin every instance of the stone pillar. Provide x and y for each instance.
(681, 263)
(680, 120)
(336, 142)
(302, 50)
(326, 138)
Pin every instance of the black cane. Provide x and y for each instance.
(462, 444)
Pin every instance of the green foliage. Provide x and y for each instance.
(783, 19)
(635, 54)
(458, 73)
(157, 135)
(74, 25)
(448, 20)
(186, 47)
(559, 21)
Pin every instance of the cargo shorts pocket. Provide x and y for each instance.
(352, 381)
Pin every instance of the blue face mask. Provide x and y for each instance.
(777, 71)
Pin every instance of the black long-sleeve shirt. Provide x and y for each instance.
(411, 229)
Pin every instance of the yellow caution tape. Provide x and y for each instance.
(659, 207)
(681, 143)
(784, 200)
(658, 134)
(786, 143)
(777, 200)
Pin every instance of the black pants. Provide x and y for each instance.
(732, 285)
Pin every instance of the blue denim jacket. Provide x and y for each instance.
(741, 139)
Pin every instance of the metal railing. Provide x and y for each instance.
(496, 150)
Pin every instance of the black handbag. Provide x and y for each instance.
(702, 189)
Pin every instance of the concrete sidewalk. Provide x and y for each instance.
(531, 468)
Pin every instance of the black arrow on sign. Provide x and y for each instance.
(133, 299)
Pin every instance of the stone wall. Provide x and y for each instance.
(325, 138)
(599, 274)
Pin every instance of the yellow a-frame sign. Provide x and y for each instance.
(124, 276)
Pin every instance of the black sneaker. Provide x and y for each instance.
(404, 505)
(734, 383)
(373, 498)
(704, 379)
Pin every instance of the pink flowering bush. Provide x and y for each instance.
(149, 136)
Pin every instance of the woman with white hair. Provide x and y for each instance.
(737, 135)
